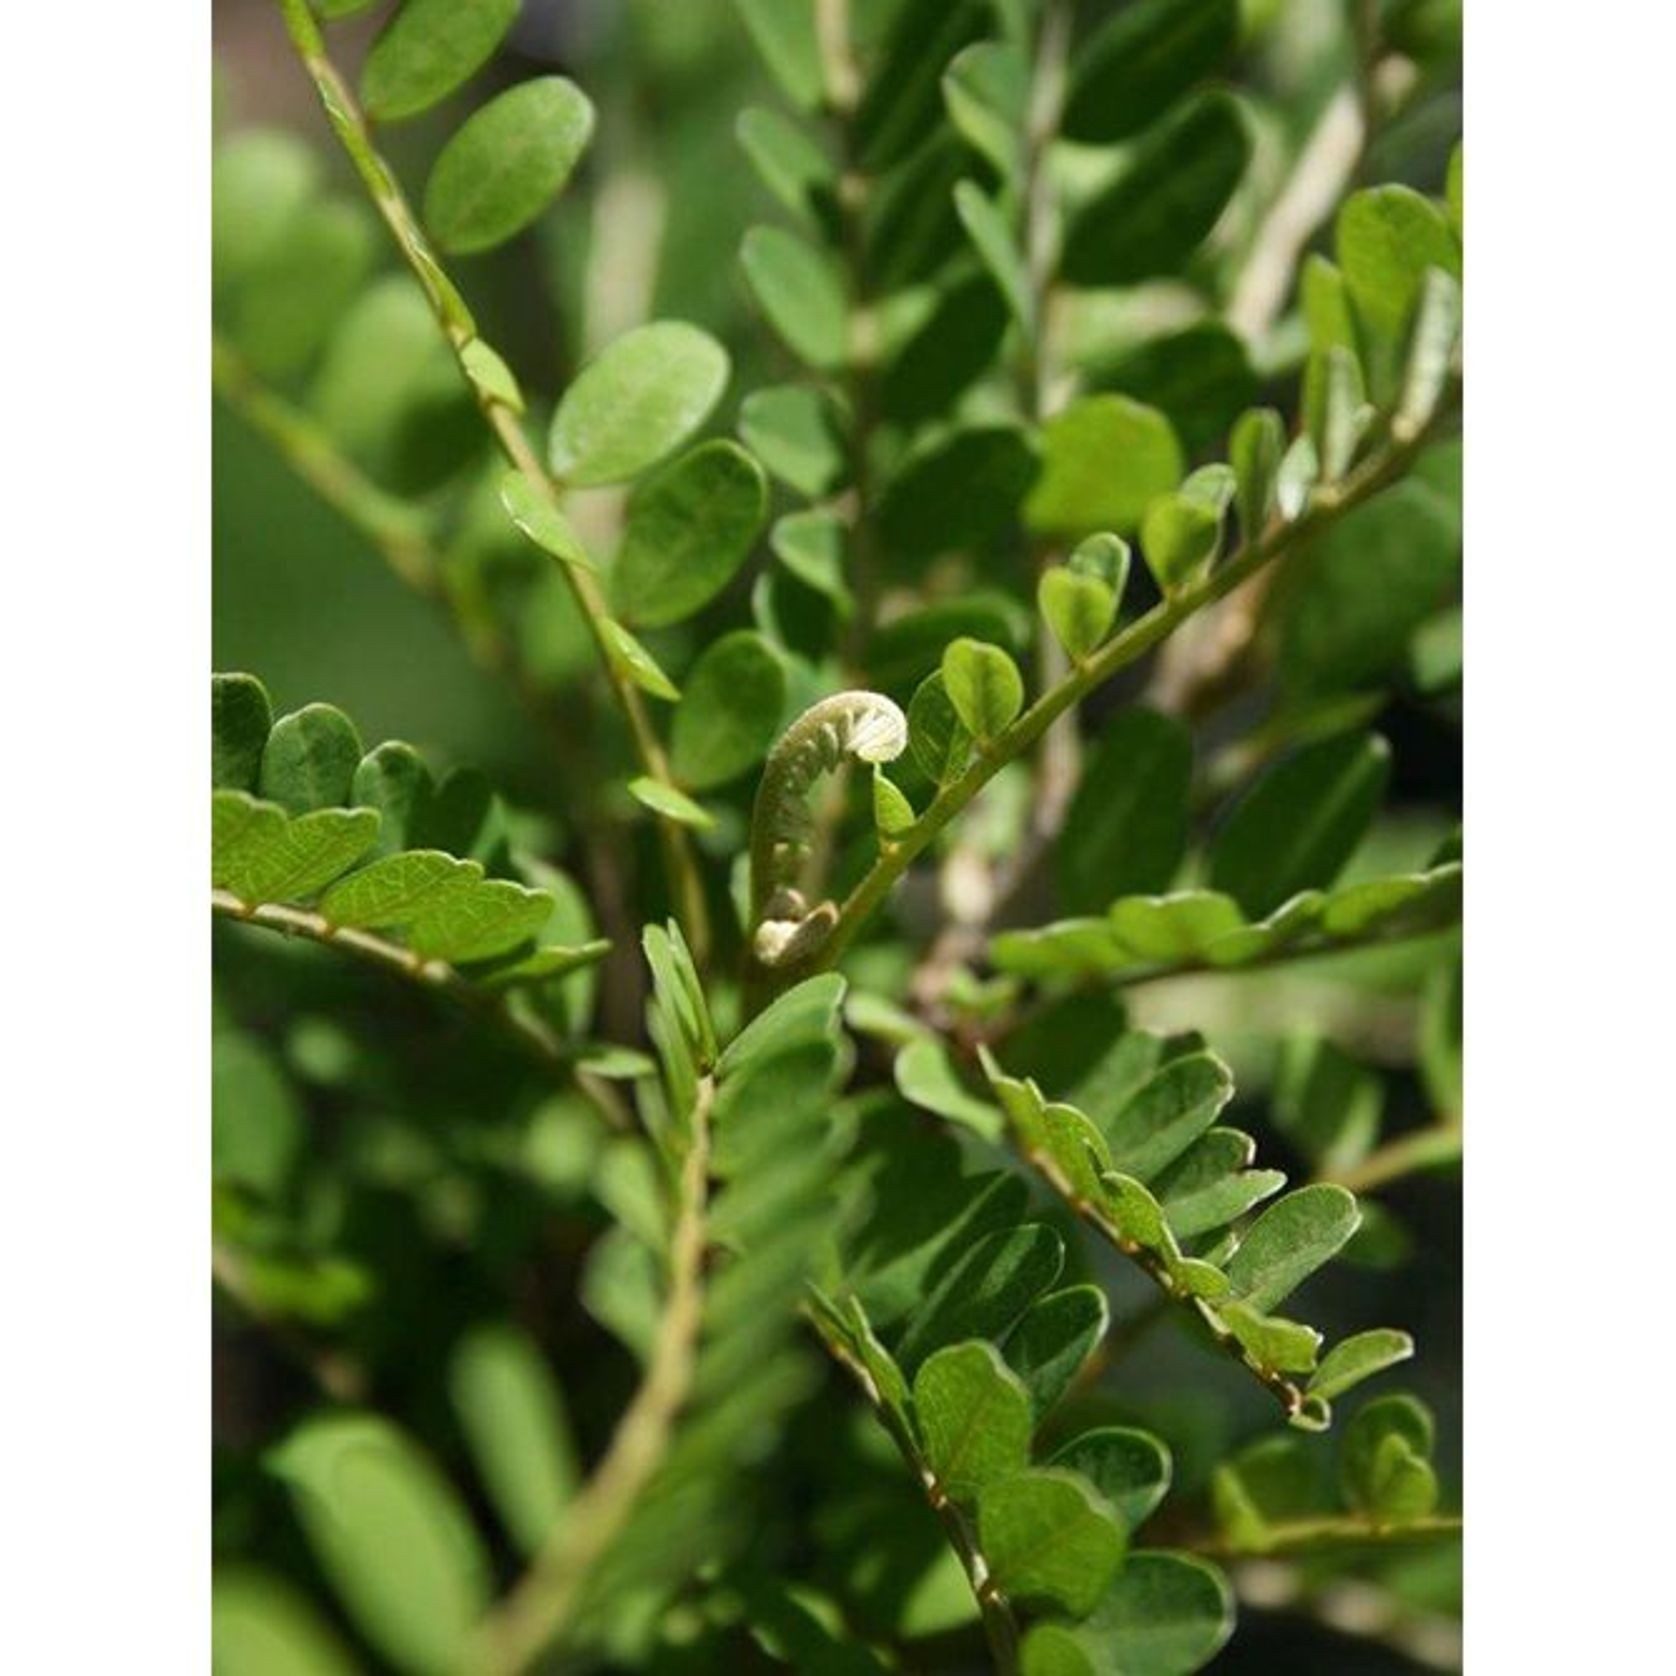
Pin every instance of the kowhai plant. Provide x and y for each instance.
(895, 1141)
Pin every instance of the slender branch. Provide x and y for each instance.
(497, 397)
(533, 1614)
(1308, 1536)
(1117, 654)
(999, 1625)
(545, 1048)
(1430, 1148)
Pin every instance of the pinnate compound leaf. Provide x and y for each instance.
(261, 1626)
(1104, 460)
(1058, 1334)
(1130, 1468)
(974, 1417)
(309, 759)
(1127, 825)
(800, 294)
(240, 720)
(730, 710)
(690, 527)
(1165, 202)
(1142, 61)
(984, 686)
(427, 49)
(637, 401)
(667, 800)
(1049, 1540)
(1300, 823)
(1290, 1241)
(508, 162)
(513, 1417)
(1360, 1357)
(984, 1294)
(396, 889)
(391, 1537)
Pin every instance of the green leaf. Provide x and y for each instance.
(393, 779)
(1329, 1106)
(1335, 409)
(988, 230)
(1385, 1460)
(1290, 1241)
(299, 857)
(539, 518)
(1164, 203)
(937, 738)
(1437, 325)
(800, 293)
(664, 799)
(1104, 460)
(427, 49)
(490, 376)
(925, 1074)
(256, 1120)
(798, 434)
(1300, 823)
(1079, 609)
(1199, 377)
(811, 546)
(791, 165)
(893, 814)
(506, 164)
(513, 1418)
(1142, 61)
(690, 527)
(974, 1417)
(261, 1626)
(1255, 448)
(958, 493)
(1179, 538)
(1360, 1357)
(983, 685)
(260, 181)
(1386, 238)
(730, 710)
(490, 919)
(953, 341)
(987, 91)
(1127, 824)
(1209, 1186)
(1280, 1346)
(637, 401)
(397, 888)
(391, 1537)
(1455, 190)
(786, 35)
(1058, 1334)
(1183, 926)
(240, 720)
(984, 1294)
(903, 101)
(1130, 1468)
(628, 655)
(1049, 1540)
(1104, 558)
(309, 759)
(1168, 1113)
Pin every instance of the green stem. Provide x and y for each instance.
(496, 395)
(1117, 654)
(532, 1616)
(1424, 1149)
(1306, 1536)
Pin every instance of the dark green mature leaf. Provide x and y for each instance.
(1049, 1540)
(903, 97)
(730, 710)
(987, 89)
(427, 49)
(937, 738)
(690, 527)
(1168, 1113)
(1199, 378)
(240, 720)
(983, 685)
(986, 1292)
(800, 293)
(1130, 1468)
(309, 759)
(391, 1537)
(798, 434)
(1104, 460)
(1209, 1187)
(1127, 825)
(1300, 823)
(637, 401)
(513, 1417)
(956, 494)
(974, 1415)
(260, 1626)
(995, 242)
(1290, 1241)
(910, 647)
(1160, 209)
(508, 162)
(1058, 1334)
(954, 344)
(1142, 61)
